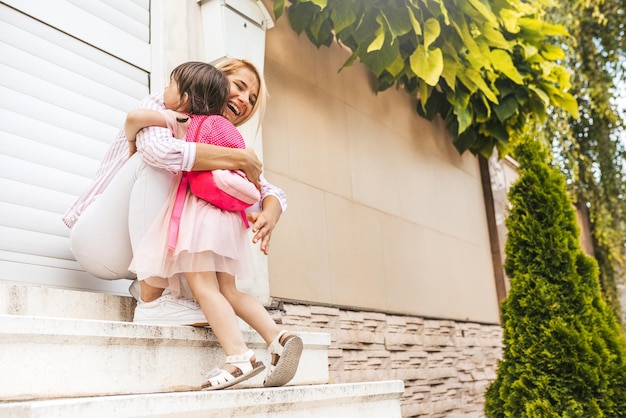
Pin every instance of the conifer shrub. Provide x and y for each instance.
(564, 354)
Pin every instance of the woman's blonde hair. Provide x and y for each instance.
(232, 65)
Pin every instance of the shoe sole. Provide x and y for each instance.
(287, 363)
(171, 323)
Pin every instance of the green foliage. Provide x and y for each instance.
(485, 67)
(564, 355)
(589, 151)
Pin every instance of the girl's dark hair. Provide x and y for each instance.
(206, 86)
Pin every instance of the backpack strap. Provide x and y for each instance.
(177, 211)
(244, 218)
(179, 201)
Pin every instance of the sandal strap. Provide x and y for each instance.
(275, 346)
(219, 376)
(241, 361)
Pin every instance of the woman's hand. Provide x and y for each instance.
(252, 167)
(263, 223)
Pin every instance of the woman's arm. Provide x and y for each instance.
(160, 149)
(214, 157)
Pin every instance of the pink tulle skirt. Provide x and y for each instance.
(209, 240)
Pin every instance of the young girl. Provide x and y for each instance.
(211, 240)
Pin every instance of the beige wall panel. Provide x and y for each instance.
(314, 144)
(458, 202)
(288, 50)
(383, 211)
(298, 265)
(355, 252)
(427, 273)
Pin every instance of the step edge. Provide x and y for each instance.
(47, 327)
(169, 402)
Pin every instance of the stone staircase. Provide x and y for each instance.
(69, 353)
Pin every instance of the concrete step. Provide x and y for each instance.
(358, 400)
(68, 353)
(44, 358)
(30, 300)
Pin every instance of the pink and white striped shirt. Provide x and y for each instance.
(158, 148)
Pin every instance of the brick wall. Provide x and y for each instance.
(445, 365)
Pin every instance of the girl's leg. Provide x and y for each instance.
(218, 311)
(248, 308)
(100, 240)
(285, 347)
(241, 362)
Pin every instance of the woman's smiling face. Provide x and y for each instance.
(244, 91)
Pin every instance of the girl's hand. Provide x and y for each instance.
(263, 223)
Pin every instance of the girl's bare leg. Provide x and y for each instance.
(248, 308)
(218, 311)
(285, 353)
(223, 321)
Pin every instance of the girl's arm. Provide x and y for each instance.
(138, 119)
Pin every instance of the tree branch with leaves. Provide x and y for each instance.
(485, 67)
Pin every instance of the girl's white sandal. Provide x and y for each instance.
(284, 361)
(220, 378)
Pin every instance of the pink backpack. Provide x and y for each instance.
(226, 189)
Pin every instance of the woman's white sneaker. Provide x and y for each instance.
(169, 310)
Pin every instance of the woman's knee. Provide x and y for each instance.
(104, 269)
(104, 260)
(99, 239)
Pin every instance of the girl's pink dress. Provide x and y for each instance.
(209, 239)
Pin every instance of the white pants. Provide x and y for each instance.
(104, 236)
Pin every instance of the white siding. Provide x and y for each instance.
(121, 28)
(69, 71)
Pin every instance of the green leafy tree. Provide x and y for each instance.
(564, 355)
(589, 150)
